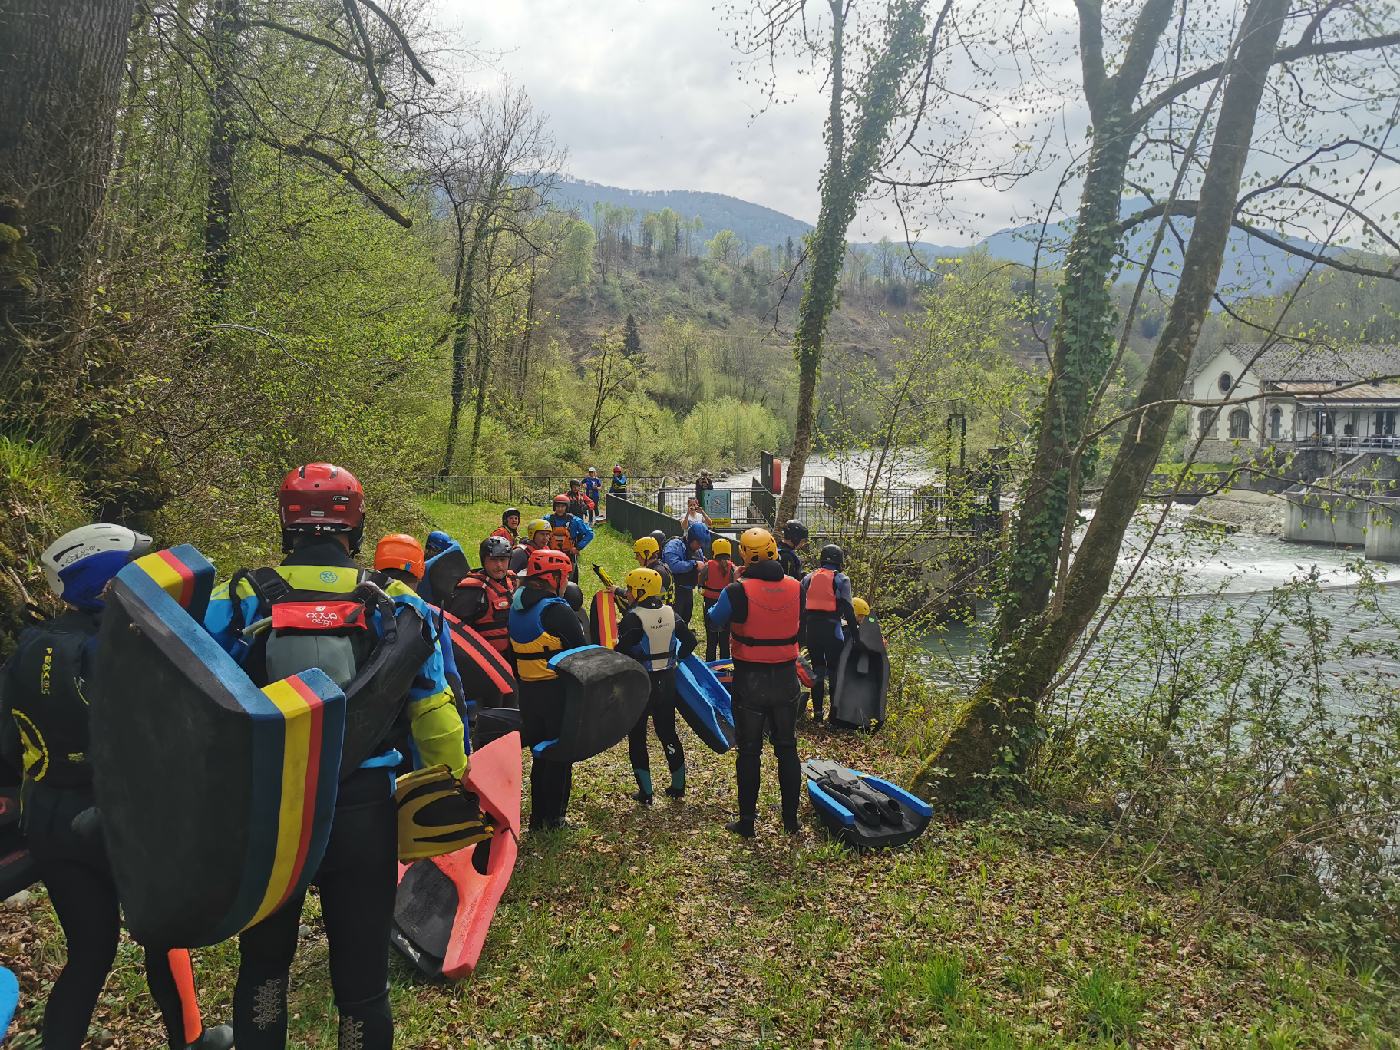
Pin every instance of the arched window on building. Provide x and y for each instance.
(1239, 423)
(1276, 423)
(1206, 422)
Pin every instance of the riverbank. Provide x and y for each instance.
(655, 927)
(658, 928)
(1241, 510)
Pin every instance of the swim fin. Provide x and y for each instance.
(437, 814)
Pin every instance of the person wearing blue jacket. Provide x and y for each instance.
(685, 556)
(571, 533)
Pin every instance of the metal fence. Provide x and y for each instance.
(521, 489)
(638, 519)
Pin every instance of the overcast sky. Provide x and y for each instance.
(645, 95)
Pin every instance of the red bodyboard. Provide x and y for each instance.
(494, 776)
(604, 619)
(482, 667)
(804, 672)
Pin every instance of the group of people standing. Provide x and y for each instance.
(521, 599)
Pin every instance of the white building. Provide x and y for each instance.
(1292, 397)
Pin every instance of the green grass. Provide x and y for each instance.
(655, 927)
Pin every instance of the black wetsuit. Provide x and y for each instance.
(358, 880)
(542, 717)
(765, 703)
(825, 635)
(661, 704)
(43, 729)
(790, 560)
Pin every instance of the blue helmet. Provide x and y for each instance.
(438, 541)
(80, 563)
(698, 532)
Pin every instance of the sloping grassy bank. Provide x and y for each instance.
(655, 927)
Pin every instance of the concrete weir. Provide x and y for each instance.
(1371, 523)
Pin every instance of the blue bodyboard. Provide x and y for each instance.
(9, 1000)
(861, 810)
(704, 704)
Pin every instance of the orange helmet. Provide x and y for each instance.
(549, 562)
(398, 550)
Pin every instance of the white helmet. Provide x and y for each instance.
(79, 564)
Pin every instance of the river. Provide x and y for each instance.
(1211, 573)
(1239, 570)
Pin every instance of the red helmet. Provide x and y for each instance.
(549, 562)
(399, 550)
(321, 497)
(563, 497)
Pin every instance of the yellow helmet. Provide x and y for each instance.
(757, 544)
(862, 608)
(719, 546)
(538, 525)
(646, 548)
(642, 584)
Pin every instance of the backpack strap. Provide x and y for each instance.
(267, 586)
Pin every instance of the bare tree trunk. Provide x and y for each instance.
(61, 67)
(1082, 353)
(846, 177)
(460, 335)
(218, 203)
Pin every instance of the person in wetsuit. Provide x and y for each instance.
(44, 692)
(543, 625)
(763, 610)
(321, 507)
(654, 635)
(717, 574)
(828, 619)
(684, 556)
(794, 538)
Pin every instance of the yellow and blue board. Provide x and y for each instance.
(216, 796)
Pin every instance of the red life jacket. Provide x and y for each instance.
(491, 621)
(717, 576)
(821, 591)
(769, 634)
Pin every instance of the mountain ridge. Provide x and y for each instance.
(1251, 267)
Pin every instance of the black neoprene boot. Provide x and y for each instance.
(818, 698)
(743, 827)
(219, 1037)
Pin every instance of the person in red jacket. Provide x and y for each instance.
(509, 528)
(764, 613)
(481, 599)
(828, 619)
(717, 574)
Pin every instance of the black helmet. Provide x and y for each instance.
(494, 547)
(659, 536)
(508, 512)
(573, 594)
(832, 555)
(795, 531)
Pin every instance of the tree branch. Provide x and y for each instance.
(305, 152)
(1283, 54)
(1188, 209)
(310, 38)
(398, 32)
(357, 24)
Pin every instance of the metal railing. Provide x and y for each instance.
(535, 490)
